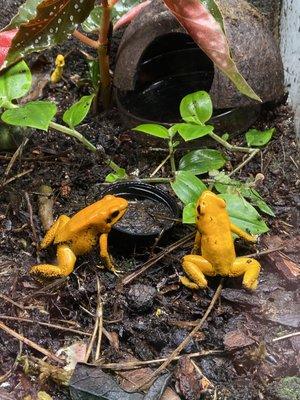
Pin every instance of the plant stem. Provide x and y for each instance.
(155, 180)
(229, 146)
(240, 166)
(103, 55)
(172, 159)
(85, 39)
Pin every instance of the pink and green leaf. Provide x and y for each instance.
(26, 12)
(54, 21)
(6, 38)
(208, 34)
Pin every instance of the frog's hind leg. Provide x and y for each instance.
(50, 235)
(248, 267)
(65, 264)
(196, 267)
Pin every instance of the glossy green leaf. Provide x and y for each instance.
(189, 214)
(187, 187)
(26, 12)
(94, 73)
(54, 21)
(153, 130)
(93, 21)
(116, 176)
(36, 114)
(196, 107)
(202, 161)
(259, 138)
(14, 82)
(78, 111)
(244, 215)
(192, 131)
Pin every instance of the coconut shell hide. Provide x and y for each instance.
(253, 48)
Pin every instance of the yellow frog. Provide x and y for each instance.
(215, 244)
(78, 234)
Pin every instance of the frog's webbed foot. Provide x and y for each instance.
(65, 264)
(250, 268)
(196, 267)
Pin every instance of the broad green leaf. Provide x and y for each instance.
(259, 138)
(196, 107)
(244, 215)
(257, 201)
(189, 214)
(153, 130)
(202, 161)
(14, 82)
(36, 114)
(92, 23)
(192, 131)
(55, 20)
(209, 36)
(78, 111)
(26, 12)
(187, 187)
(116, 176)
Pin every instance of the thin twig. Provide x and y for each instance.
(156, 258)
(160, 166)
(100, 322)
(30, 343)
(17, 177)
(14, 157)
(4, 377)
(48, 324)
(35, 236)
(264, 252)
(45, 290)
(137, 364)
(9, 300)
(145, 383)
(245, 162)
(290, 335)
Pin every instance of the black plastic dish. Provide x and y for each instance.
(142, 191)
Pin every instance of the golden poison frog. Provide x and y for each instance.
(215, 243)
(59, 67)
(79, 234)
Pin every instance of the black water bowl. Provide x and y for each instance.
(151, 212)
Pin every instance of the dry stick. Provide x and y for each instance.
(240, 166)
(29, 206)
(9, 300)
(264, 252)
(14, 157)
(48, 324)
(30, 343)
(145, 384)
(4, 377)
(160, 166)
(100, 319)
(137, 364)
(156, 258)
(46, 288)
(17, 177)
(290, 335)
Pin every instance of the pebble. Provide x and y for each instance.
(141, 297)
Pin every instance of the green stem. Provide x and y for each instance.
(229, 146)
(240, 166)
(172, 159)
(156, 180)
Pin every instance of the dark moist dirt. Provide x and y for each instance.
(151, 316)
(145, 217)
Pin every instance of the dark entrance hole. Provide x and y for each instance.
(171, 67)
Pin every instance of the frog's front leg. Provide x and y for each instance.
(105, 255)
(196, 267)
(197, 243)
(65, 264)
(50, 235)
(242, 234)
(248, 267)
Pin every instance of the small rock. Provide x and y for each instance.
(141, 297)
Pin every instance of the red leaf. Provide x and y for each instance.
(130, 15)
(6, 38)
(208, 34)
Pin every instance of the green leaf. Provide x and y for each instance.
(187, 187)
(196, 107)
(55, 20)
(94, 73)
(189, 214)
(244, 215)
(93, 21)
(116, 176)
(26, 12)
(257, 201)
(214, 10)
(225, 136)
(202, 161)
(36, 114)
(192, 131)
(78, 111)
(153, 130)
(14, 82)
(259, 138)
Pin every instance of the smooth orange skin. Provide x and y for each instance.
(79, 234)
(215, 243)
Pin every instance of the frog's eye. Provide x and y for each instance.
(198, 210)
(115, 214)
